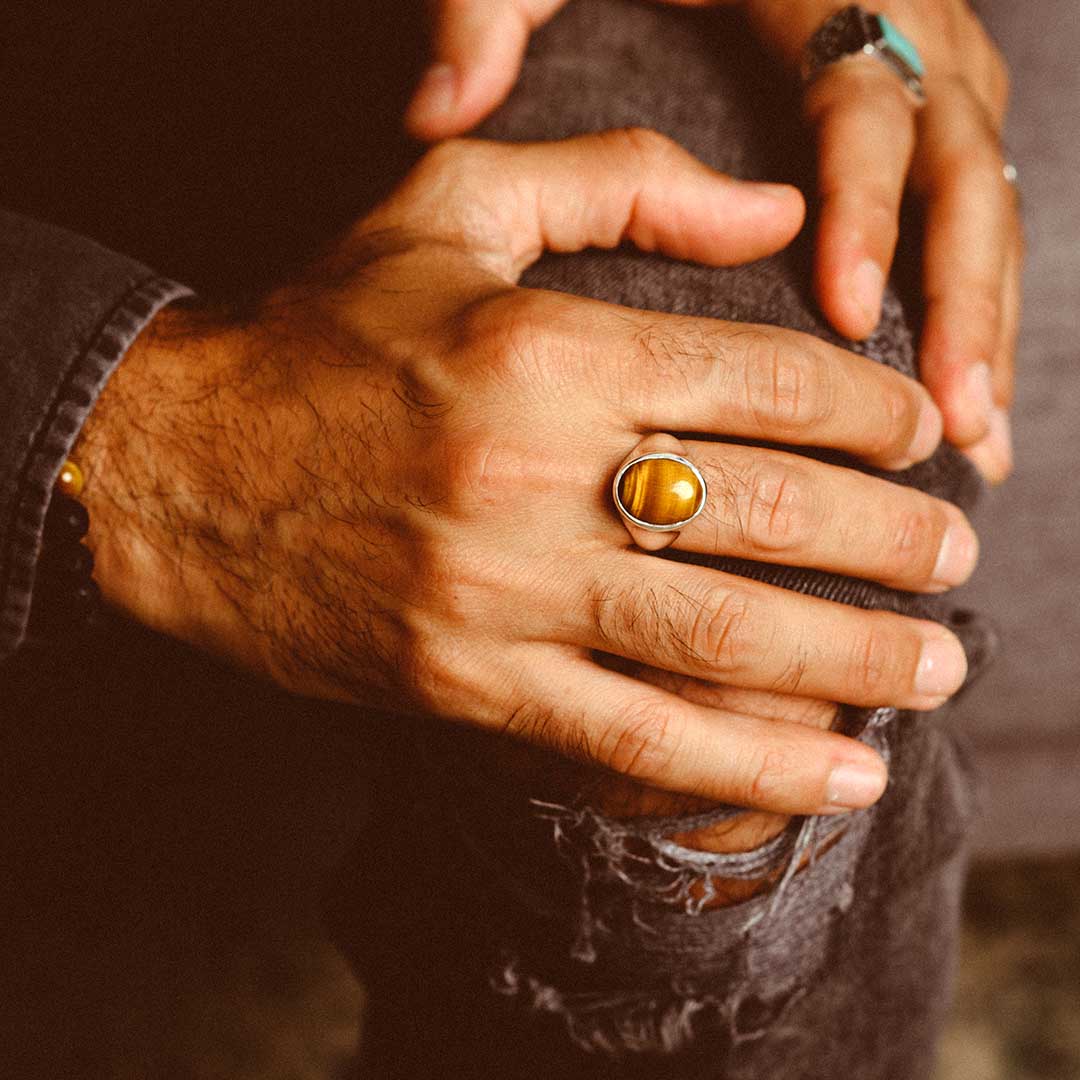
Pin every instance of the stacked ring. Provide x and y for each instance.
(853, 31)
(660, 492)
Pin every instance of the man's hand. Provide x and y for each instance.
(390, 485)
(872, 142)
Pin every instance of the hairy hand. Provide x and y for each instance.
(389, 485)
(872, 144)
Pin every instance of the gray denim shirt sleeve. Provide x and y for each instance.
(69, 310)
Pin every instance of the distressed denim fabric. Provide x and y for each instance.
(531, 935)
(69, 309)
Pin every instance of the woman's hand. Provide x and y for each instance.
(872, 143)
(390, 485)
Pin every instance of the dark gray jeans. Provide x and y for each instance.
(529, 936)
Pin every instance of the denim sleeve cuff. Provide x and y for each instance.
(75, 397)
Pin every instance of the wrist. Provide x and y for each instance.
(148, 451)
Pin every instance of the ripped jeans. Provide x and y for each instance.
(504, 925)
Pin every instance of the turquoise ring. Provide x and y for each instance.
(853, 31)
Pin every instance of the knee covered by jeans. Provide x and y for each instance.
(614, 924)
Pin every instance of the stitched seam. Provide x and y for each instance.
(75, 395)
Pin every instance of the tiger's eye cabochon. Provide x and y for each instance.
(660, 491)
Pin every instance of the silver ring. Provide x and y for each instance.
(659, 497)
(854, 31)
(1011, 174)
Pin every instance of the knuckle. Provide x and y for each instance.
(899, 418)
(789, 680)
(970, 155)
(649, 147)
(913, 543)
(717, 635)
(479, 468)
(769, 775)
(445, 173)
(787, 392)
(443, 585)
(508, 335)
(643, 742)
(873, 666)
(779, 513)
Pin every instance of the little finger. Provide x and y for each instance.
(650, 735)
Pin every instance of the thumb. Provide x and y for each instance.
(506, 204)
(478, 48)
(636, 185)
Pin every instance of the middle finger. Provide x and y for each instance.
(970, 218)
(678, 373)
(866, 135)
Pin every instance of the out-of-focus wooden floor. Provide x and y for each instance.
(1017, 1011)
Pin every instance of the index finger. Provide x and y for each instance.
(478, 48)
(865, 122)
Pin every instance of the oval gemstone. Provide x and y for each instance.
(660, 491)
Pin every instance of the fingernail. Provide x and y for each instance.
(928, 433)
(435, 96)
(852, 787)
(942, 667)
(957, 557)
(780, 192)
(978, 392)
(867, 286)
(993, 454)
(1000, 439)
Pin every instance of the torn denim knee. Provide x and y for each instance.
(647, 960)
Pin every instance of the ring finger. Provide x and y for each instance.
(784, 508)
